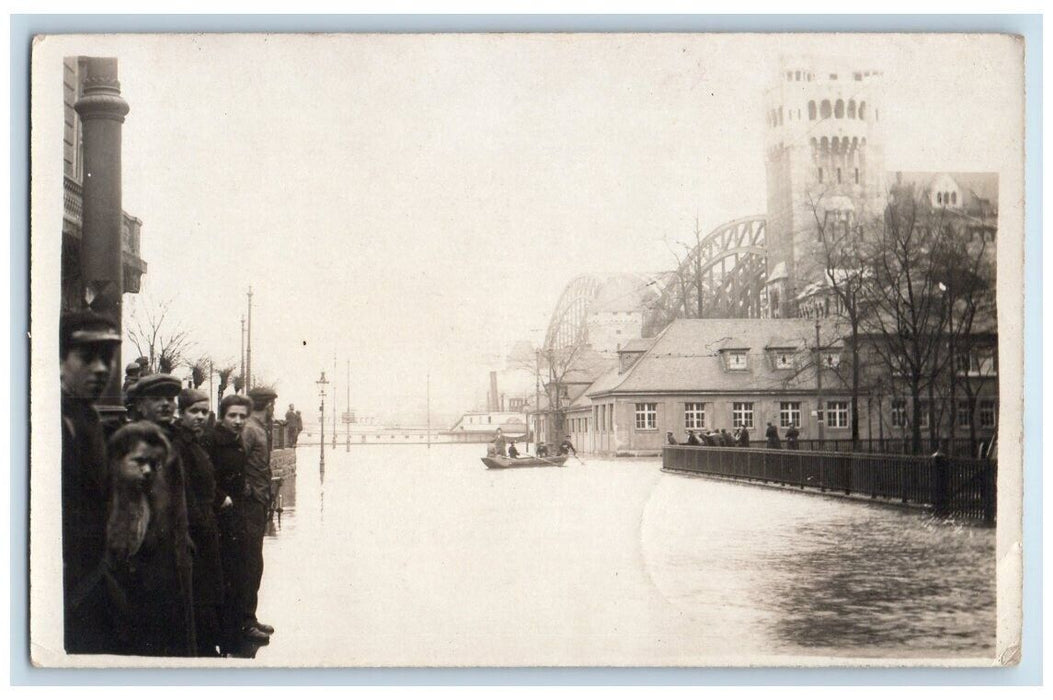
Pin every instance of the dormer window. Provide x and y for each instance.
(782, 359)
(737, 360)
(831, 359)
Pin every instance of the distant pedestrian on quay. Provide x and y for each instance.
(88, 347)
(541, 450)
(791, 437)
(290, 426)
(299, 427)
(771, 436)
(743, 439)
(512, 451)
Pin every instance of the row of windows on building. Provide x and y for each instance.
(838, 109)
(742, 415)
(987, 414)
(739, 360)
(947, 198)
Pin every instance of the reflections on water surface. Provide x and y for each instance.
(443, 558)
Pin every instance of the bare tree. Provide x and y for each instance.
(163, 342)
(846, 274)
(909, 318)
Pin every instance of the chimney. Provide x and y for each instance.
(494, 396)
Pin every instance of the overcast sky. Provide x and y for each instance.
(416, 204)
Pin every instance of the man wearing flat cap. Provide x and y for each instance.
(254, 506)
(153, 398)
(203, 499)
(88, 347)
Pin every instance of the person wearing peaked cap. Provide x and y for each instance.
(154, 399)
(254, 504)
(203, 499)
(88, 346)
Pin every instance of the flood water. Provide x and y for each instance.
(405, 556)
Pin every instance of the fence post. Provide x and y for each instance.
(989, 495)
(940, 485)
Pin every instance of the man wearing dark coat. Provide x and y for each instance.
(290, 425)
(771, 436)
(88, 345)
(167, 576)
(692, 439)
(791, 437)
(743, 439)
(203, 499)
(227, 454)
(254, 508)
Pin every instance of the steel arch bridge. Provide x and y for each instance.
(567, 328)
(729, 265)
(724, 275)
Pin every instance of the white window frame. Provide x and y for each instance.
(964, 415)
(646, 416)
(789, 414)
(923, 414)
(742, 414)
(836, 414)
(694, 415)
(831, 360)
(782, 359)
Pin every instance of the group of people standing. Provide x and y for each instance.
(163, 516)
(740, 438)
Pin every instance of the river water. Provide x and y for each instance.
(407, 556)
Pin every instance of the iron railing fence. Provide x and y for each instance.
(950, 486)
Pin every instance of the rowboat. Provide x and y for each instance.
(498, 462)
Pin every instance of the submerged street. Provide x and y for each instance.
(400, 555)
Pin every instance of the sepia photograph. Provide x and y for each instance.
(526, 350)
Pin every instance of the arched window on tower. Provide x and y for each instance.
(862, 110)
(824, 109)
(811, 110)
(954, 197)
(825, 145)
(851, 109)
(839, 109)
(857, 176)
(780, 115)
(939, 197)
(839, 176)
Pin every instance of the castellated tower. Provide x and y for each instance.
(824, 158)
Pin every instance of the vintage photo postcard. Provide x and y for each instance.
(520, 350)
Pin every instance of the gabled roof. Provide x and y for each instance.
(686, 357)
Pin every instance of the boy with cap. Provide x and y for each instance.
(88, 345)
(202, 501)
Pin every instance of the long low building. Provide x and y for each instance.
(712, 374)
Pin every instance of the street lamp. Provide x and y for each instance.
(321, 409)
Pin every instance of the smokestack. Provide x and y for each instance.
(494, 396)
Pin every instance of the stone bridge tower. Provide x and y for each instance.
(824, 158)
